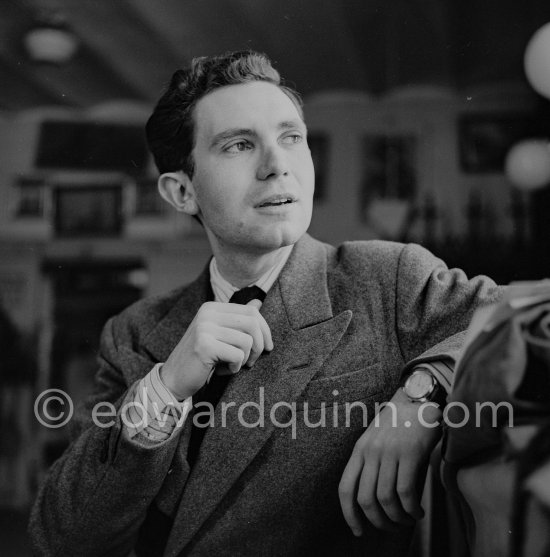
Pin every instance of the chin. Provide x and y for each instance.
(279, 236)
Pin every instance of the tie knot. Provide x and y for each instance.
(244, 295)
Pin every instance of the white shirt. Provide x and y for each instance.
(223, 290)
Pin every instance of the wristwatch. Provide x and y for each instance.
(422, 386)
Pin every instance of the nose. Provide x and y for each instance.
(273, 163)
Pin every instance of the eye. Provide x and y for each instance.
(293, 138)
(238, 146)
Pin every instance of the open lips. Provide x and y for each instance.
(276, 200)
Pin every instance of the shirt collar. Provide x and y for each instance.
(223, 290)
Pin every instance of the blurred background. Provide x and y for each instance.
(429, 122)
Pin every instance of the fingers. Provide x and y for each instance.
(347, 492)
(231, 355)
(370, 491)
(388, 494)
(392, 511)
(255, 304)
(376, 491)
(383, 480)
(242, 341)
(242, 327)
(376, 495)
(251, 310)
(266, 331)
(222, 336)
(408, 489)
(252, 324)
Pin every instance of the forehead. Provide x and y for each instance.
(247, 105)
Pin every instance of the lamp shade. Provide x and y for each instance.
(537, 61)
(54, 45)
(528, 164)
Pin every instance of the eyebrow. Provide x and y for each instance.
(230, 134)
(226, 135)
(292, 124)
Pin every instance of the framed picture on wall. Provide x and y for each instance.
(389, 182)
(486, 138)
(32, 192)
(389, 167)
(88, 210)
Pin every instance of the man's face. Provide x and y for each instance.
(253, 181)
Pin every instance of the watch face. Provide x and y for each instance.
(419, 385)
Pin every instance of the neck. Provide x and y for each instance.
(245, 268)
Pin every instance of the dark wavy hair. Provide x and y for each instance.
(170, 129)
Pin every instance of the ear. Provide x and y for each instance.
(177, 189)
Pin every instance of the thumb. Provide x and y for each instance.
(255, 304)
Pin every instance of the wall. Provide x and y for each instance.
(429, 114)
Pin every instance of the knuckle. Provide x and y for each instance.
(377, 523)
(202, 343)
(385, 500)
(243, 321)
(378, 444)
(344, 489)
(361, 444)
(248, 342)
(253, 310)
(366, 503)
(207, 307)
(405, 492)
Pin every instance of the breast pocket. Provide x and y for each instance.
(358, 385)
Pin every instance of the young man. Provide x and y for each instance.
(323, 328)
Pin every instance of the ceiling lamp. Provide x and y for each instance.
(51, 41)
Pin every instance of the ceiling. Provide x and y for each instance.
(128, 49)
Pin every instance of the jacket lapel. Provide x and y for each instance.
(299, 314)
(162, 339)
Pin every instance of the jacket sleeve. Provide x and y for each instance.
(96, 496)
(434, 306)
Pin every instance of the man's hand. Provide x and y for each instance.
(384, 477)
(230, 333)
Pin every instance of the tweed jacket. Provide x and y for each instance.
(346, 322)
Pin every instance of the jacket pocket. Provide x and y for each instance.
(360, 384)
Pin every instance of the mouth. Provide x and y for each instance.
(277, 200)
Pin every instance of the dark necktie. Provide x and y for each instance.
(247, 294)
(212, 391)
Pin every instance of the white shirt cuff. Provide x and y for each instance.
(155, 412)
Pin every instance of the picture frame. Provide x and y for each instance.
(88, 211)
(484, 139)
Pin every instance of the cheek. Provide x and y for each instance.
(210, 192)
(220, 208)
(305, 171)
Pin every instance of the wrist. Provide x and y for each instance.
(428, 413)
(167, 381)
